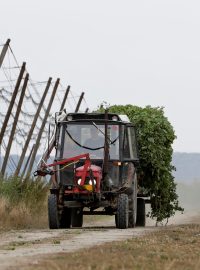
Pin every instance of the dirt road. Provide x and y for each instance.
(25, 247)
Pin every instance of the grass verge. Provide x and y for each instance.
(23, 203)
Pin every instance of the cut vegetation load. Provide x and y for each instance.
(155, 136)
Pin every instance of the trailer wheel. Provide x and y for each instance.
(77, 217)
(121, 218)
(65, 218)
(53, 212)
(141, 214)
(133, 205)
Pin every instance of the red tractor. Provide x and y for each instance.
(94, 172)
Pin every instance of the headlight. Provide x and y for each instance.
(90, 182)
(79, 181)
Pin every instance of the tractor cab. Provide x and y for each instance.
(110, 142)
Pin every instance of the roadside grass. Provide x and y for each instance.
(169, 248)
(23, 203)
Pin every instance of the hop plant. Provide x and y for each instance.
(155, 136)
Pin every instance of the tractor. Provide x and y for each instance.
(94, 170)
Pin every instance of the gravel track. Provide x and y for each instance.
(23, 247)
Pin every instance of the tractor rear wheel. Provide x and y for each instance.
(132, 211)
(141, 214)
(65, 218)
(133, 205)
(53, 213)
(77, 217)
(121, 218)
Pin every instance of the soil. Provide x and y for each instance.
(26, 247)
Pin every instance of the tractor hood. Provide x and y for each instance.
(94, 168)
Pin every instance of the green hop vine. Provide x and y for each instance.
(155, 136)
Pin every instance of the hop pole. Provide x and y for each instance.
(14, 125)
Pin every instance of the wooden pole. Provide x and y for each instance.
(65, 98)
(79, 102)
(12, 102)
(4, 51)
(37, 144)
(5, 160)
(27, 162)
(25, 147)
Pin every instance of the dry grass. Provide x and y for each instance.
(169, 248)
(20, 216)
(23, 203)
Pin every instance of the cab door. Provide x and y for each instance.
(130, 152)
(129, 155)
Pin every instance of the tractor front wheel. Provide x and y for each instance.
(53, 213)
(122, 215)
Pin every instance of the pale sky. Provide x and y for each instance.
(123, 52)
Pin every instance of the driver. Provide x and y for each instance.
(95, 139)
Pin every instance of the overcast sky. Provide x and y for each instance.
(123, 52)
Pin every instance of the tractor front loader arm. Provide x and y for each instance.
(45, 169)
